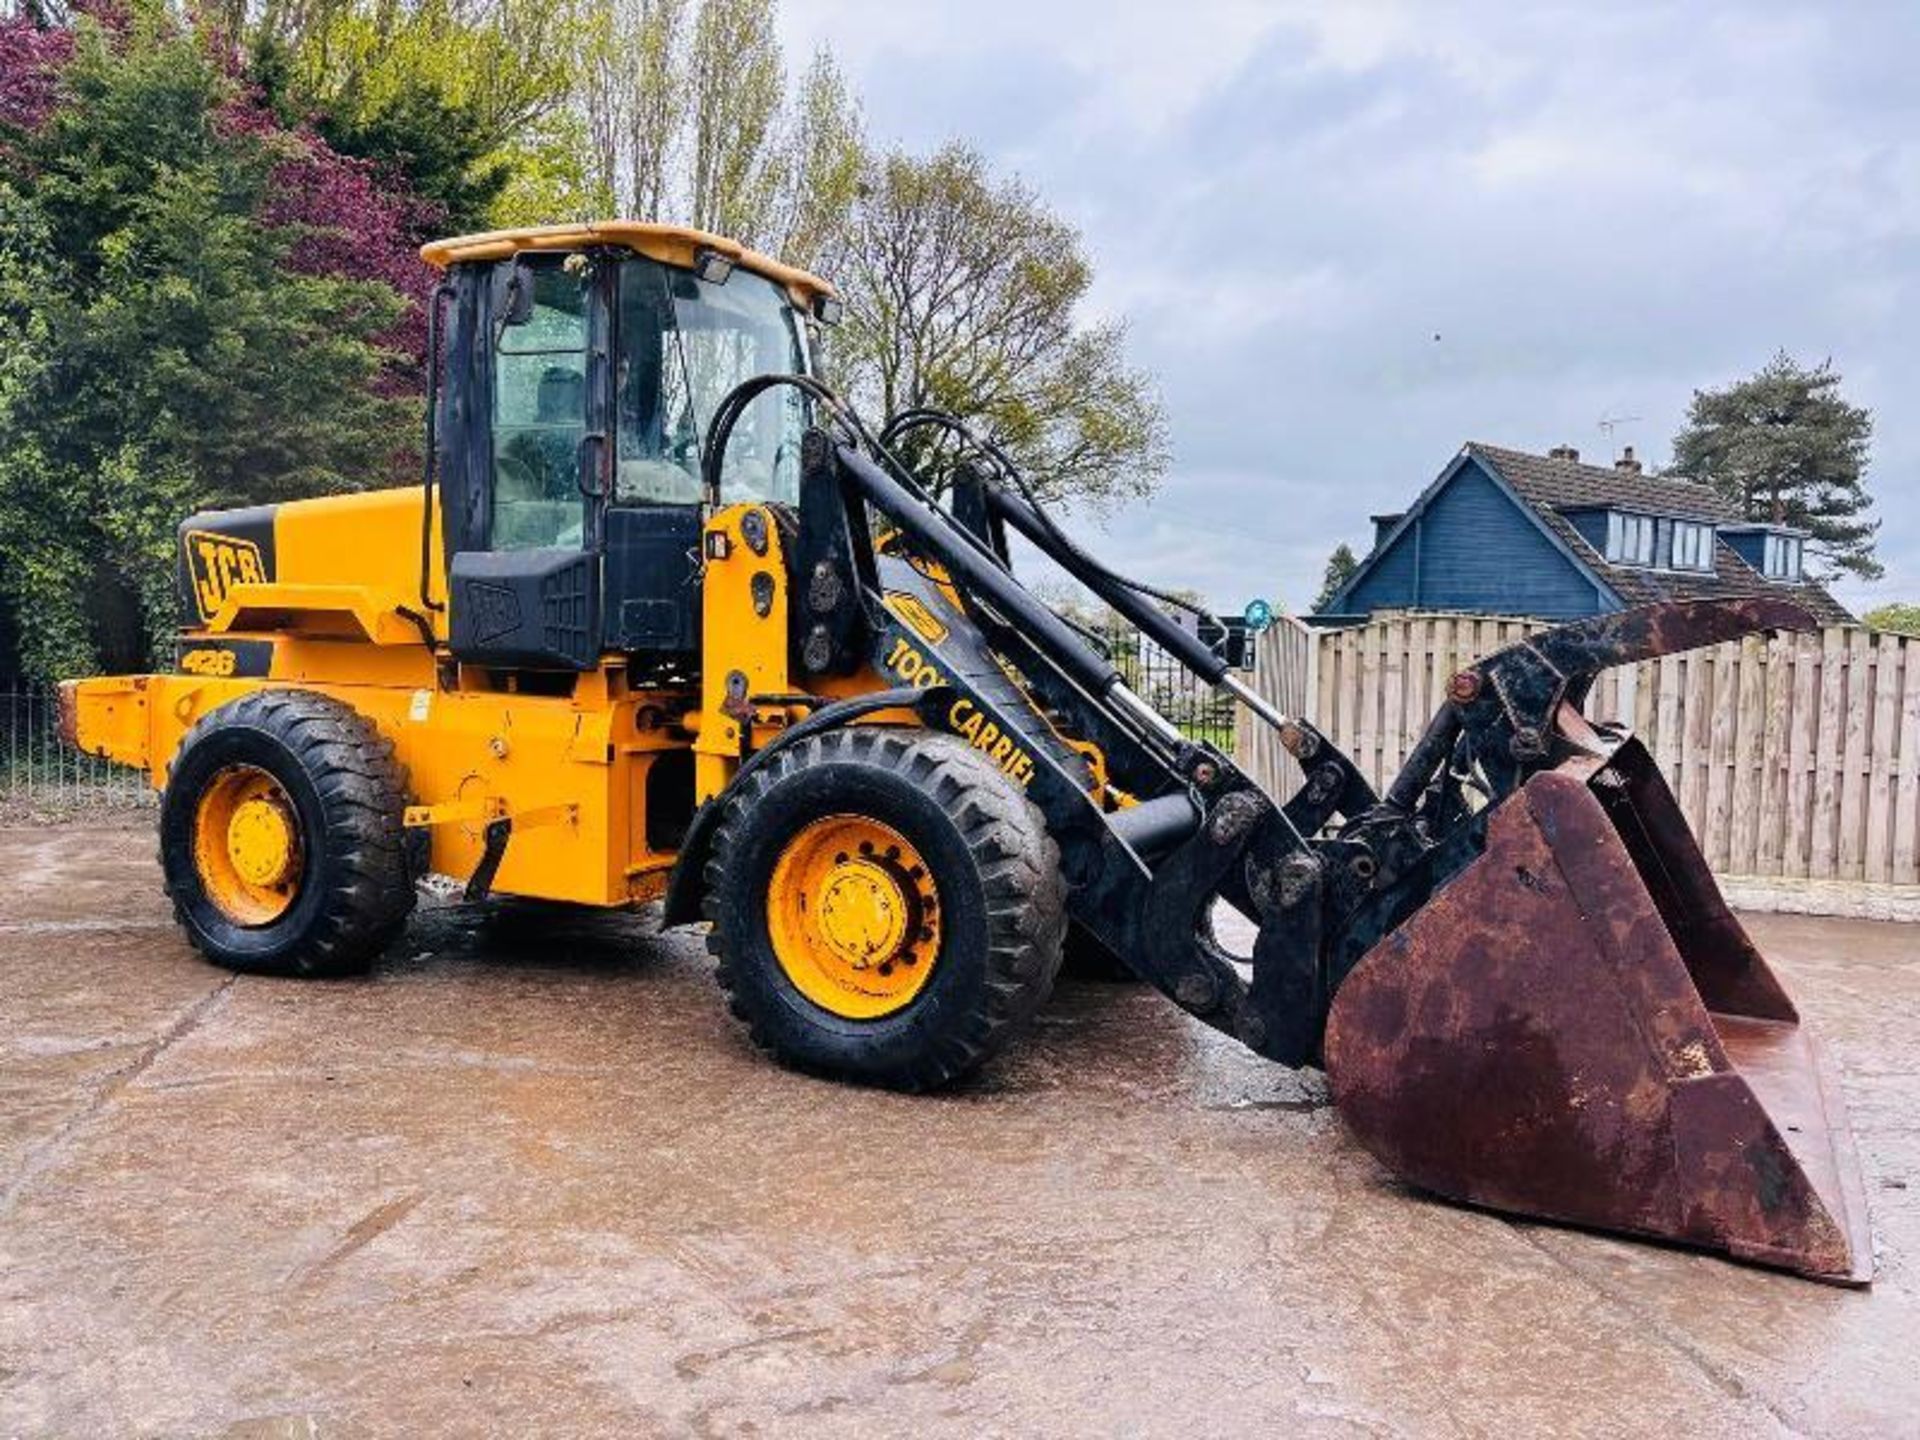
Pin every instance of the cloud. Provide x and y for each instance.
(1595, 209)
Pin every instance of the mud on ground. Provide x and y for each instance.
(530, 1179)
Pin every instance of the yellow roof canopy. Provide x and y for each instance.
(671, 244)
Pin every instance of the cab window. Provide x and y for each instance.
(683, 344)
(540, 415)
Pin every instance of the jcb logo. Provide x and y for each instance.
(217, 564)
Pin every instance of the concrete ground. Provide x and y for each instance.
(530, 1180)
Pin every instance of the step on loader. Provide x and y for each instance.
(666, 622)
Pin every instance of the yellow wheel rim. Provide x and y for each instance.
(854, 917)
(246, 845)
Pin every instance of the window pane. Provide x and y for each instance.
(540, 417)
(1632, 537)
(1776, 556)
(1692, 546)
(559, 319)
(684, 344)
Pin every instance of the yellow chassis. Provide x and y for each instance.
(570, 771)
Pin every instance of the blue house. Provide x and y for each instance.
(1503, 532)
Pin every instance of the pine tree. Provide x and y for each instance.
(1340, 567)
(1787, 448)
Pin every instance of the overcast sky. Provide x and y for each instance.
(1594, 208)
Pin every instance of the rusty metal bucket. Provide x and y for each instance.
(1577, 1028)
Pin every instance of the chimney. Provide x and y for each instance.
(1564, 452)
(1627, 462)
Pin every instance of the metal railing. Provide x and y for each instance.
(43, 779)
(1200, 712)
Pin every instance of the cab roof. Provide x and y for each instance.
(671, 244)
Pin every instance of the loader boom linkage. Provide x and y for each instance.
(1354, 892)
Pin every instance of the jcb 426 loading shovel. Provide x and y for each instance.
(797, 690)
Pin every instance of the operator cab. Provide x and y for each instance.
(584, 366)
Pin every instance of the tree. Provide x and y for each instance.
(1900, 619)
(30, 56)
(691, 118)
(174, 334)
(963, 293)
(734, 89)
(823, 155)
(462, 101)
(1340, 567)
(632, 98)
(1786, 448)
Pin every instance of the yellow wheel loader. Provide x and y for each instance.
(667, 622)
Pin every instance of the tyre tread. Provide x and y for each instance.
(1016, 859)
(362, 789)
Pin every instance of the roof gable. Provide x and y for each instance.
(1556, 531)
(1551, 486)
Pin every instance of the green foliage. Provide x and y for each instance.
(548, 181)
(1340, 567)
(824, 156)
(1901, 619)
(734, 88)
(1785, 446)
(157, 353)
(962, 292)
(439, 147)
(467, 103)
(691, 117)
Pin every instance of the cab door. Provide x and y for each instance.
(525, 581)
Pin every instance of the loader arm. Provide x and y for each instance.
(1513, 963)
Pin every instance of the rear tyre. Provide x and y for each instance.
(887, 907)
(281, 837)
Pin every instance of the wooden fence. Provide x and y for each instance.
(1797, 756)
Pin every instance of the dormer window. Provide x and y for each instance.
(1778, 552)
(1692, 546)
(1629, 538)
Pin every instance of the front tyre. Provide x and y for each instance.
(887, 907)
(281, 837)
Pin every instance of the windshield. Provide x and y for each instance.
(683, 344)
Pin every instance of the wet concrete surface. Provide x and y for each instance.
(530, 1179)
